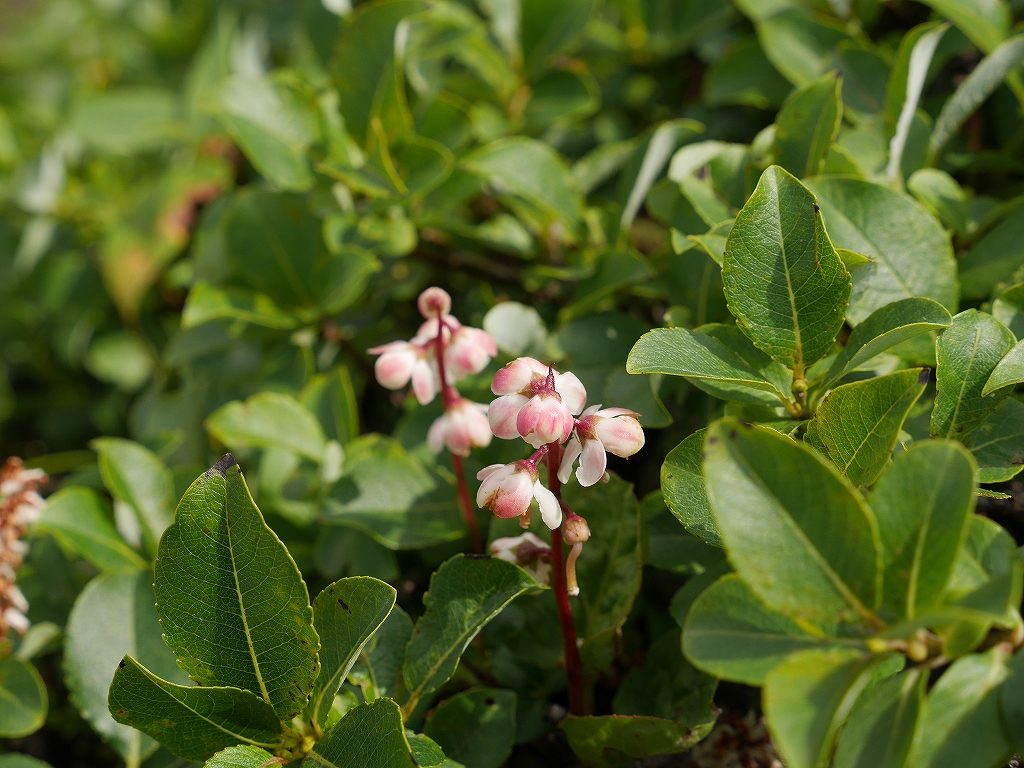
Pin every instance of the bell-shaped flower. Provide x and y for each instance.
(528, 551)
(401, 361)
(469, 351)
(535, 402)
(599, 432)
(508, 489)
(462, 426)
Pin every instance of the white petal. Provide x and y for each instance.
(550, 511)
(572, 452)
(621, 435)
(436, 435)
(424, 382)
(503, 413)
(573, 393)
(592, 463)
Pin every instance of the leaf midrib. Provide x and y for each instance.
(798, 363)
(915, 566)
(856, 452)
(963, 384)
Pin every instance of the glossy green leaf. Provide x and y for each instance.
(77, 517)
(345, 614)
(967, 352)
(268, 420)
(135, 476)
(1008, 372)
(923, 502)
(883, 329)
(911, 251)
(796, 42)
(685, 492)
(426, 753)
(715, 357)
(616, 741)
(783, 279)
(114, 616)
(859, 423)
(985, 22)
(191, 721)
(794, 529)
(476, 727)
(23, 699)
(808, 697)
(206, 302)
(465, 593)
(244, 756)
(881, 727)
(369, 736)
(998, 444)
(960, 724)
(807, 125)
(379, 666)
(730, 634)
(232, 604)
(388, 494)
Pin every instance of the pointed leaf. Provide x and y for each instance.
(794, 529)
(476, 727)
(730, 634)
(998, 444)
(807, 125)
(369, 736)
(345, 614)
(923, 502)
(883, 329)
(685, 493)
(76, 516)
(245, 756)
(911, 251)
(858, 424)
(985, 22)
(22, 699)
(967, 353)
(1009, 371)
(268, 420)
(232, 604)
(783, 279)
(465, 593)
(881, 727)
(191, 721)
(808, 697)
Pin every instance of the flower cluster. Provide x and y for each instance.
(20, 505)
(443, 352)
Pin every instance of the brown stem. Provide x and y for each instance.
(573, 663)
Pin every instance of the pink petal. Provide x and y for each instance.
(611, 413)
(424, 382)
(621, 435)
(434, 301)
(503, 413)
(513, 499)
(572, 452)
(394, 367)
(514, 377)
(550, 510)
(489, 470)
(529, 416)
(492, 483)
(573, 393)
(478, 427)
(593, 463)
(547, 417)
(437, 436)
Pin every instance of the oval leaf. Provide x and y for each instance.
(369, 736)
(23, 698)
(685, 493)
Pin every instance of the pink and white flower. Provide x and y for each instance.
(528, 551)
(508, 490)
(469, 351)
(535, 402)
(599, 432)
(401, 361)
(462, 426)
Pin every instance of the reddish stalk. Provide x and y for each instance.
(449, 396)
(573, 663)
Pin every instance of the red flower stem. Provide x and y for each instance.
(573, 663)
(450, 397)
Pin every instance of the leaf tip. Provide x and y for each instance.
(221, 467)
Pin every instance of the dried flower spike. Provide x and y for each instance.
(20, 506)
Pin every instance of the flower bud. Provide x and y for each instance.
(535, 402)
(528, 552)
(462, 426)
(575, 530)
(434, 302)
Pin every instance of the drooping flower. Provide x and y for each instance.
(401, 361)
(508, 489)
(528, 551)
(535, 402)
(461, 427)
(611, 430)
(574, 533)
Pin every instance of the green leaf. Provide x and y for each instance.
(807, 125)
(911, 250)
(121, 358)
(783, 279)
(985, 22)
(427, 754)
(465, 593)
(1008, 309)
(268, 420)
(135, 476)
(881, 727)
(389, 495)
(883, 329)
(369, 736)
(345, 614)
(923, 502)
(476, 727)
(799, 44)
(943, 196)
(616, 741)
(975, 89)
(80, 521)
(1012, 701)
(17, 760)
(331, 397)
(967, 353)
(998, 444)
(859, 423)
(549, 28)
(232, 604)
(22, 698)
(379, 667)
(667, 686)
(662, 144)
(685, 492)
(192, 722)
(712, 356)
(730, 634)
(1009, 371)
(808, 697)
(206, 303)
(244, 756)
(793, 527)
(128, 120)
(114, 616)
(961, 724)
(995, 258)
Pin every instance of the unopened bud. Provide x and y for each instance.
(917, 651)
(575, 530)
(877, 645)
(434, 302)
